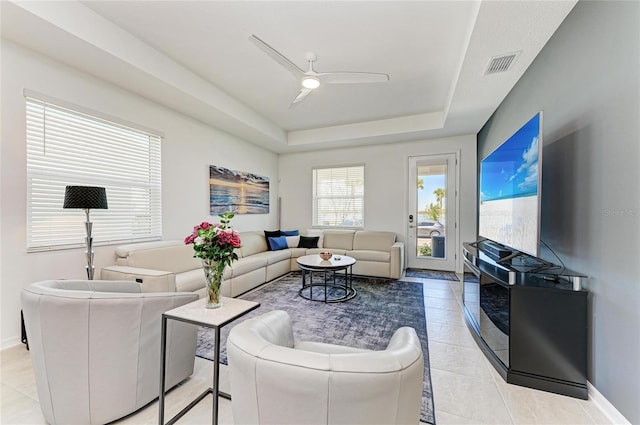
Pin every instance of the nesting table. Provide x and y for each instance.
(334, 291)
(197, 314)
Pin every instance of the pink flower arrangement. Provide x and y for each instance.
(215, 242)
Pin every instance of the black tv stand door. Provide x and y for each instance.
(538, 338)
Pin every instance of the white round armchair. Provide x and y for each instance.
(277, 381)
(95, 347)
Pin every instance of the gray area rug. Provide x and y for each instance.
(432, 274)
(367, 321)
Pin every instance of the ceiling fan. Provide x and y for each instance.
(311, 80)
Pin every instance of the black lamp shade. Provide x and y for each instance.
(86, 197)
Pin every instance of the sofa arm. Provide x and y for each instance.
(397, 260)
(150, 280)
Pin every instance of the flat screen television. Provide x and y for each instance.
(510, 183)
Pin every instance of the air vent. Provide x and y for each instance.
(501, 63)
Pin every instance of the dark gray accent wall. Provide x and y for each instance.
(585, 81)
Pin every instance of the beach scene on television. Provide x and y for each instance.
(509, 190)
(237, 192)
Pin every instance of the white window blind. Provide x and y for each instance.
(338, 196)
(66, 147)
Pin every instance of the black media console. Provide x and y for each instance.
(531, 323)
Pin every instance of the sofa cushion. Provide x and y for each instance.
(297, 252)
(190, 281)
(252, 243)
(368, 255)
(308, 242)
(123, 251)
(334, 251)
(373, 241)
(277, 256)
(339, 239)
(173, 256)
(249, 264)
(271, 234)
(278, 243)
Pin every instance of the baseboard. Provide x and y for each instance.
(9, 342)
(605, 406)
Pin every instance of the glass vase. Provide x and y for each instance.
(213, 278)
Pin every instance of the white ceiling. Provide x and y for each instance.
(195, 57)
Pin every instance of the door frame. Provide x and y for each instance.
(452, 230)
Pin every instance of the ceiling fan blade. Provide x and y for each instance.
(301, 95)
(352, 77)
(277, 56)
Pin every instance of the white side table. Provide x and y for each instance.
(197, 314)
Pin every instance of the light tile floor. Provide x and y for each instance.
(467, 390)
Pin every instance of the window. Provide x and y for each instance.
(66, 147)
(338, 196)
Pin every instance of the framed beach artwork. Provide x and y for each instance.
(237, 192)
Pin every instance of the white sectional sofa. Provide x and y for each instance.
(169, 265)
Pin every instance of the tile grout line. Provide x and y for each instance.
(504, 401)
(487, 365)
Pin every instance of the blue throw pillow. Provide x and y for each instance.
(290, 233)
(271, 234)
(278, 243)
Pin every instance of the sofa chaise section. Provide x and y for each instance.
(161, 266)
(377, 254)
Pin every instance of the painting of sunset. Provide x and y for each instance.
(237, 192)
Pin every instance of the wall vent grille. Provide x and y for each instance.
(501, 63)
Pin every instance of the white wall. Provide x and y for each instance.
(386, 180)
(189, 147)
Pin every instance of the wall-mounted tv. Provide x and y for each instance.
(510, 178)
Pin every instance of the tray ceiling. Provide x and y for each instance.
(195, 57)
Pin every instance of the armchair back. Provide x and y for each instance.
(275, 380)
(95, 347)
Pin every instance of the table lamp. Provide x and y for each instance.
(86, 197)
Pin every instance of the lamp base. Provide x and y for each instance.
(90, 271)
(89, 252)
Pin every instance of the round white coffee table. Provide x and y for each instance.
(335, 290)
